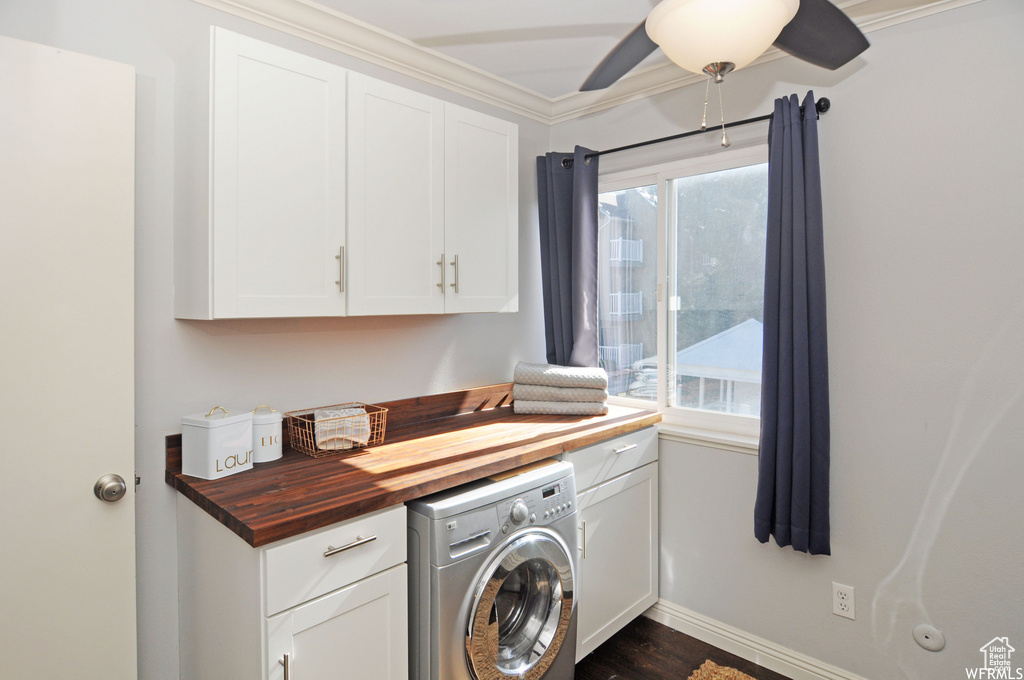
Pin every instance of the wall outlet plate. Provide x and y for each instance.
(842, 601)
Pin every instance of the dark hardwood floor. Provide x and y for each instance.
(648, 650)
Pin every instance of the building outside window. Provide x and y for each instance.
(627, 286)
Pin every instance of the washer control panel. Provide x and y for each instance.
(537, 506)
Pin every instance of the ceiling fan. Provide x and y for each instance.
(719, 36)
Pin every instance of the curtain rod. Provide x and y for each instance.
(820, 107)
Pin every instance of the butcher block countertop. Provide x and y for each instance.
(431, 444)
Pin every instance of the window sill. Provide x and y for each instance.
(726, 441)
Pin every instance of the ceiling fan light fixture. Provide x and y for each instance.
(696, 33)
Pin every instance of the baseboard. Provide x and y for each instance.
(750, 647)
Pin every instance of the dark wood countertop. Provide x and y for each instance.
(431, 444)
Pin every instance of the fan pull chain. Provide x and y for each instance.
(725, 137)
(704, 120)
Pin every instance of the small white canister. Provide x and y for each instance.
(266, 434)
(216, 444)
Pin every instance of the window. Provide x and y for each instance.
(691, 345)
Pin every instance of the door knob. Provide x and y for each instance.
(110, 488)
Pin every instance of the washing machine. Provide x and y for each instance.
(492, 578)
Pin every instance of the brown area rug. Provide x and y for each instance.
(712, 671)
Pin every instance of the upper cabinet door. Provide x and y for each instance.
(262, 234)
(396, 199)
(481, 212)
(278, 178)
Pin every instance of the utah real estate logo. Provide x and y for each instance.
(998, 665)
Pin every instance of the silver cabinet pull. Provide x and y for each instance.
(340, 257)
(441, 262)
(455, 263)
(623, 449)
(583, 543)
(331, 550)
(287, 669)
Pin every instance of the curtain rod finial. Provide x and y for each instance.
(822, 105)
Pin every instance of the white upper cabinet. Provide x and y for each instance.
(266, 236)
(308, 190)
(481, 212)
(433, 205)
(396, 199)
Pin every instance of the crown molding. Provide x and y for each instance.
(348, 35)
(329, 28)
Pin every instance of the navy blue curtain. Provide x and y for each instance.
(567, 198)
(793, 478)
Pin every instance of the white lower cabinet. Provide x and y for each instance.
(332, 603)
(358, 632)
(618, 542)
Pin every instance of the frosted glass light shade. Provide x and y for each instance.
(695, 33)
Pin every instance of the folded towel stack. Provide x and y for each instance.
(560, 390)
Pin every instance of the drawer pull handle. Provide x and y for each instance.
(583, 543)
(287, 668)
(331, 550)
(623, 449)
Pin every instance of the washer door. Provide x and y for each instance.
(521, 609)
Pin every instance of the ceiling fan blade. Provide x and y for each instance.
(630, 51)
(821, 34)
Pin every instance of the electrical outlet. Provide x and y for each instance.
(842, 601)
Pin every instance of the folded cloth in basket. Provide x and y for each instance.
(561, 408)
(547, 393)
(561, 376)
(343, 428)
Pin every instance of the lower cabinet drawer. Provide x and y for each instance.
(602, 461)
(305, 568)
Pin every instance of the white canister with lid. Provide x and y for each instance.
(266, 434)
(216, 444)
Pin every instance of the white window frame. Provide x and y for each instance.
(722, 430)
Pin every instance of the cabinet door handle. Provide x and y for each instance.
(287, 670)
(331, 550)
(340, 257)
(455, 263)
(623, 449)
(441, 262)
(583, 542)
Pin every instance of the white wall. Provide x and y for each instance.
(185, 367)
(923, 161)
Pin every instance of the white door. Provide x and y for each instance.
(395, 199)
(481, 208)
(67, 564)
(278, 181)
